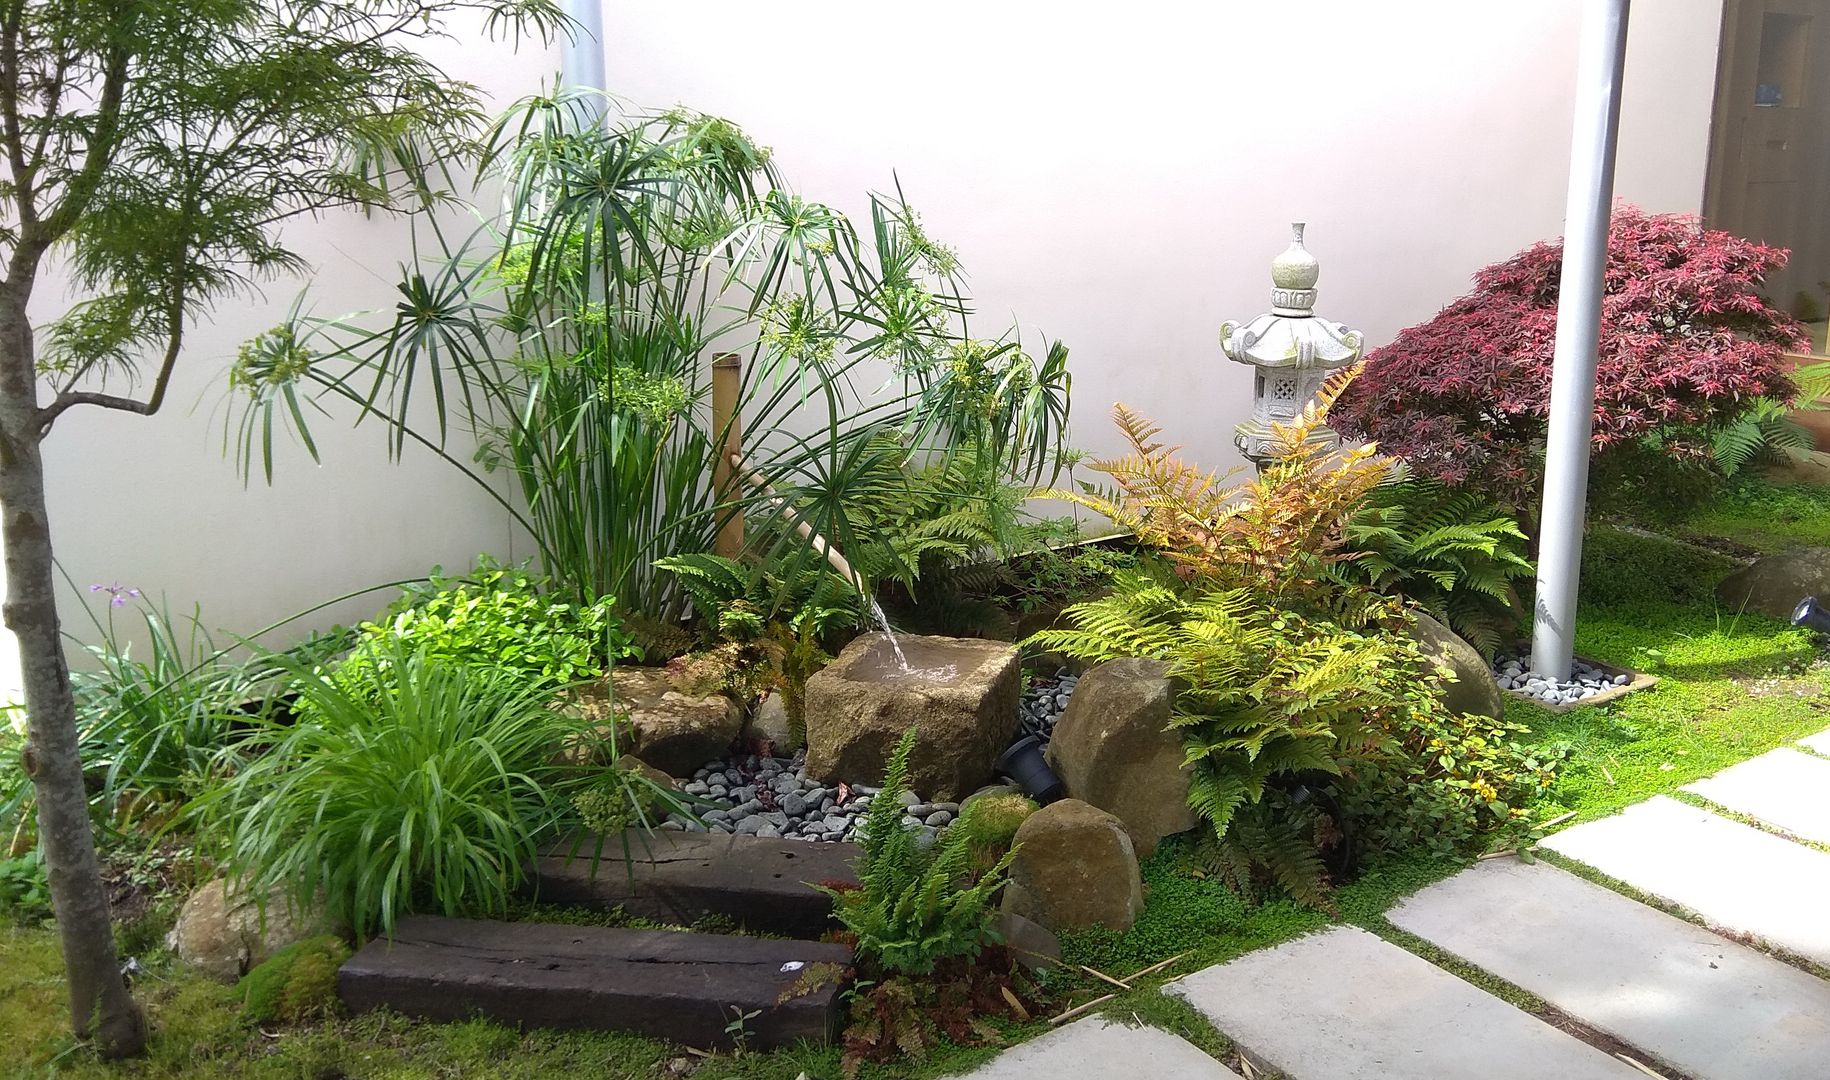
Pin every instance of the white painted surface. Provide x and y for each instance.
(1118, 177)
(1733, 875)
(1713, 1009)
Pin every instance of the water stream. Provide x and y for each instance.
(883, 624)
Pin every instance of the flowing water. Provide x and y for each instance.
(883, 624)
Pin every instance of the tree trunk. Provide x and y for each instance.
(100, 1004)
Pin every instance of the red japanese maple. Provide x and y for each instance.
(1687, 344)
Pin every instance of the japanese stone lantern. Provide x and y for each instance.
(1293, 351)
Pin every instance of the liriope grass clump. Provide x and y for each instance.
(416, 784)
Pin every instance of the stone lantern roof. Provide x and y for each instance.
(1290, 335)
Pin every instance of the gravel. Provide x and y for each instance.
(774, 796)
(1514, 673)
(1045, 698)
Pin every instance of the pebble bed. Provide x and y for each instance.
(1045, 700)
(773, 797)
(1514, 673)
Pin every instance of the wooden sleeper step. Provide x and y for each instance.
(665, 984)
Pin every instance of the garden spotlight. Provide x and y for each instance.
(1812, 614)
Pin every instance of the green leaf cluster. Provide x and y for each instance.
(915, 905)
(1450, 551)
(495, 617)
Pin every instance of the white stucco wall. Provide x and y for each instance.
(1117, 176)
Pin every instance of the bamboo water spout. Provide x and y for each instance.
(756, 483)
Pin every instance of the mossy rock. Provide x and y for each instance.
(296, 984)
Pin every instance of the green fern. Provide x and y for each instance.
(1766, 428)
(1451, 552)
(1266, 695)
(915, 907)
(740, 599)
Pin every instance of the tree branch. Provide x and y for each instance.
(68, 399)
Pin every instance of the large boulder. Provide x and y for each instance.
(1114, 748)
(672, 730)
(222, 932)
(1472, 688)
(1773, 585)
(962, 693)
(1075, 867)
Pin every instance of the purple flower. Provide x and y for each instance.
(118, 595)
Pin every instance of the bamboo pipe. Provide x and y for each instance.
(727, 427)
(805, 531)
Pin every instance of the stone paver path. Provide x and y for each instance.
(1694, 1000)
(1784, 788)
(1345, 1004)
(1097, 1049)
(1733, 875)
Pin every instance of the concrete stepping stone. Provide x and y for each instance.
(1344, 1004)
(1693, 1000)
(1098, 1049)
(1732, 875)
(1819, 742)
(1784, 788)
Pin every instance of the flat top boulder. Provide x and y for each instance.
(674, 731)
(961, 693)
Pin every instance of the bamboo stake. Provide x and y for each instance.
(1078, 1009)
(1153, 968)
(1103, 977)
(727, 428)
(1558, 820)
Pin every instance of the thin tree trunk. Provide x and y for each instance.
(100, 1004)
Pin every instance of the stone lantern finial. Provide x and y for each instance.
(1293, 350)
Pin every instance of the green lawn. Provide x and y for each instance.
(1731, 687)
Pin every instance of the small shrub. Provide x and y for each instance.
(411, 783)
(1451, 785)
(915, 908)
(497, 617)
(1687, 342)
(296, 984)
(25, 893)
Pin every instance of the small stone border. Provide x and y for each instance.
(1636, 681)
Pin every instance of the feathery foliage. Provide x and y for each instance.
(1275, 534)
(1766, 429)
(1291, 671)
(1449, 551)
(915, 907)
(576, 335)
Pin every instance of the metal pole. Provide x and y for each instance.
(1572, 393)
(582, 64)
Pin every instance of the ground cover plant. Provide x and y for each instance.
(1688, 346)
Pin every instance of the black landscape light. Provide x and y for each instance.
(1023, 763)
(1812, 614)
